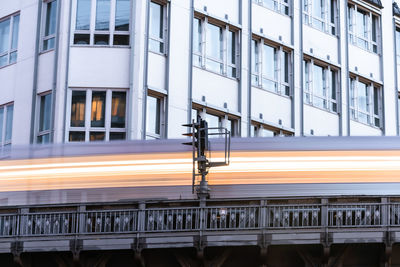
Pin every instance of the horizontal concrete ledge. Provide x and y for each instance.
(107, 244)
(45, 246)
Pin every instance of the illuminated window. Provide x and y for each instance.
(270, 67)
(215, 47)
(364, 28)
(365, 102)
(49, 23)
(9, 39)
(97, 115)
(6, 121)
(321, 14)
(44, 119)
(281, 6)
(102, 22)
(320, 83)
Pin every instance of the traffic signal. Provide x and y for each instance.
(199, 134)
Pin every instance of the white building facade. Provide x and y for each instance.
(93, 70)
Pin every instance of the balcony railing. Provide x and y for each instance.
(187, 219)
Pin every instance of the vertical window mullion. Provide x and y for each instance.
(107, 122)
(112, 21)
(92, 21)
(88, 114)
(10, 37)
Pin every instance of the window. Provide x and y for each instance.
(157, 27)
(216, 121)
(261, 130)
(364, 28)
(320, 85)
(50, 22)
(9, 40)
(154, 117)
(365, 102)
(281, 6)
(321, 14)
(44, 119)
(398, 45)
(6, 120)
(102, 22)
(270, 67)
(97, 115)
(215, 47)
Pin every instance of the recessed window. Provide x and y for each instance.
(9, 40)
(44, 119)
(320, 85)
(6, 121)
(157, 27)
(398, 45)
(50, 23)
(217, 121)
(365, 102)
(321, 14)
(364, 28)
(263, 130)
(102, 22)
(154, 117)
(97, 115)
(215, 47)
(281, 6)
(270, 67)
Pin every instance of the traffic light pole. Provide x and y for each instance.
(199, 133)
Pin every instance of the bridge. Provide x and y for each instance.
(225, 232)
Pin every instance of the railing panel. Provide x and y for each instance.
(220, 218)
(185, 219)
(8, 225)
(297, 216)
(116, 221)
(394, 214)
(47, 224)
(355, 215)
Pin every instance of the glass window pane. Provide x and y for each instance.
(51, 13)
(83, 15)
(121, 39)
(122, 11)
(213, 121)
(101, 39)
(103, 15)
(156, 21)
(362, 97)
(13, 57)
(268, 66)
(318, 86)
(81, 39)
(98, 109)
(214, 41)
(117, 136)
(78, 108)
(376, 101)
(45, 111)
(4, 60)
(97, 136)
(153, 115)
(76, 136)
(43, 139)
(374, 27)
(318, 7)
(48, 44)
(118, 107)
(9, 121)
(231, 48)
(361, 24)
(196, 36)
(14, 43)
(4, 35)
(1, 124)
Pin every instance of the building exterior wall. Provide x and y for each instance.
(179, 79)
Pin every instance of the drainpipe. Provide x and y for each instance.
(190, 64)
(249, 70)
(146, 63)
(131, 71)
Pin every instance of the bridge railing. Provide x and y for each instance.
(210, 218)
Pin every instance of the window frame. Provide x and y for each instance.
(162, 112)
(43, 28)
(224, 119)
(42, 133)
(280, 6)
(282, 87)
(372, 46)
(11, 50)
(329, 104)
(92, 32)
(354, 107)
(165, 18)
(203, 57)
(87, 128)
(327, 25)
(3, 141)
